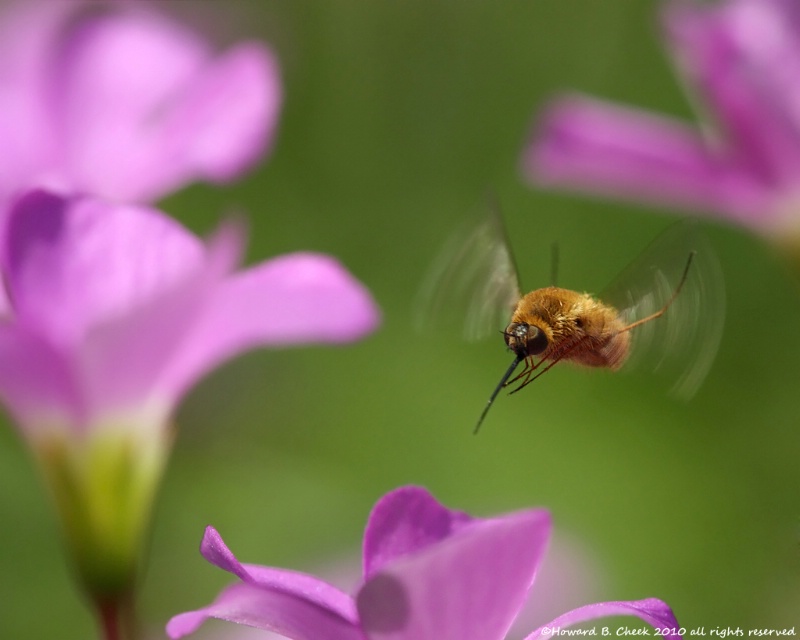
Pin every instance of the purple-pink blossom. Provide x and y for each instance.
(110, 314)
(120, 101)
(740, 59)
(429, 573)
(114, 311)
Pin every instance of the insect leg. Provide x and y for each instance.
(666, 306)
(529, 379)
(562, 354)
(528, 369)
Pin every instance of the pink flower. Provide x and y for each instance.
(742, 59)
(119, 101)
(111, 314)
(429, 574)
(117, 310)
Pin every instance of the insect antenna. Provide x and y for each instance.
(554, 264)
(500, 385)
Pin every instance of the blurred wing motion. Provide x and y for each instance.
(473, 283)
(680, 346)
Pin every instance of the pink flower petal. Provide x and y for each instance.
(150, 338)
(122, 102)
(470, 585)
(273, 610)
(72, 264)
(292, 299)
(37, 383)
(296, 605)
(138, 308)
(742, 56)
(28, 29)
(652, 611)
(309, 587)
(742, 59)
(594, 146)
(27, 136)
(435, 574)
(404, 521)
(114, 76)
(107, 292)
(226, 120)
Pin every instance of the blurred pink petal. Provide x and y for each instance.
(118, 309)
(599, 147)
(299, 298)
(227, 119)
(120, 101)
(110, 313)
(741, 60)
(91, 260)
(37, 382)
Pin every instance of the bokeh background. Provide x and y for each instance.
(399, 118)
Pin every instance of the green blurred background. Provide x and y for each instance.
(398, 118)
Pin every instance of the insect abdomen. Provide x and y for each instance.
(609, 351)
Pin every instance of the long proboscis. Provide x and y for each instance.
(500, 385)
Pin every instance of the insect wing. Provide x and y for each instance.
(680, 346)
(473, 283)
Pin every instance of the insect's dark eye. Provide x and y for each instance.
(537, 341)
(516, 335)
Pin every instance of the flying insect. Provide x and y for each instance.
(663, 313)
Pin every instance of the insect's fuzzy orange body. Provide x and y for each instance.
(576, 326)
(479, 282)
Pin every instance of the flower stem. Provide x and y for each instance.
(116, 618)
(104, 485)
